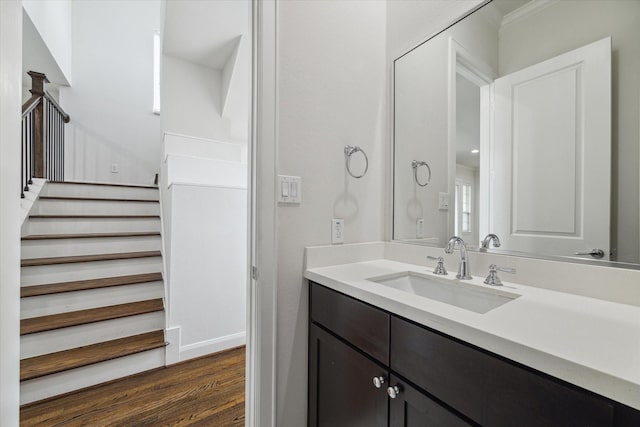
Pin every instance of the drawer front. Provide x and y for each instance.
(489, 390)
(364, 326)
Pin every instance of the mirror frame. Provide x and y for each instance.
(594, 262)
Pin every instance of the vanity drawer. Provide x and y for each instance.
(487, 389)
(361, 324)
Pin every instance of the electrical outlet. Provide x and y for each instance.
(420, 228)
(337, 231)
(115, 168)
(443, 201)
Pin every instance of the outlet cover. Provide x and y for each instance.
(337, 231)
(443, 201)
(420, 228)
(115, 168)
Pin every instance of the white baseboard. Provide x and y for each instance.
(172, 350)
(178, 353)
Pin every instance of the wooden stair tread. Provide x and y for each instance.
(53, 216)
(32, 262)
(39, 366)
(90, 235)
(97, 199)
(81, 285)
(92, 315)
(106, 184)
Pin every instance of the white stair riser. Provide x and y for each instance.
(89, 225)
(92, 333)
(94, 207)
(88, 246)
(104, 191)
(44, 305)
(38, 275)
(63, 382)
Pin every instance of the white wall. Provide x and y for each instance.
(53, 21)
(331, 92)
(204, 220)
(110, 102)
(410, 22)
(191, 100)
(10, 103)
(575, 24)
(208, 270)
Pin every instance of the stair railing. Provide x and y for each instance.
(43, 123)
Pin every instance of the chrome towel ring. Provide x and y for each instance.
(415, 164)
(348, 151)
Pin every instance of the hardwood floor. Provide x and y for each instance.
(208, 391)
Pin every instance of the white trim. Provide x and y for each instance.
(30, 198)
(10, 108)
(199, 138)
(191, 184)
(214, 345)
(526, 11)
(189, 156)
(261, 321)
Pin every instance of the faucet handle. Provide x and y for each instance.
(493, 279)
(440, 268)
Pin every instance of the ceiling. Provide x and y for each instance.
(204, 32)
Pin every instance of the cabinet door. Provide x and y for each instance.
(412, 408)
(341, 389)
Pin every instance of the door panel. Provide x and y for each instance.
(552, 154)
(341, 391)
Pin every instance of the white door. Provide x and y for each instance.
(552, 154)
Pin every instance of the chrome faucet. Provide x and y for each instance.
(463, 268)
(487, 241)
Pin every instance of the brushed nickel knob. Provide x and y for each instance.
(378, 381)
(393, 392)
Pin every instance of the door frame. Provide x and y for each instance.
(260, 387)
(461, 61)
(10, 107)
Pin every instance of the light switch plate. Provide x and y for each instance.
(337, 230)
(289, 189)
(443, 201)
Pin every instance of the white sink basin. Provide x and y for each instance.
(453, 292)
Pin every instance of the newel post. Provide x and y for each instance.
(37, 88)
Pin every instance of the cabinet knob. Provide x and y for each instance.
(393, 392)
(378, 381)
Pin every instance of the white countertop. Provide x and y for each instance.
(592, 343)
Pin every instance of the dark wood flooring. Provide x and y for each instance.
(208, 391)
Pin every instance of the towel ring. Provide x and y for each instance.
(415, 164)
(348, 151)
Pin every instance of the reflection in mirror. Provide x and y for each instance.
(528, 114)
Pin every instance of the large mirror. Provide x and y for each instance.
(523, 120)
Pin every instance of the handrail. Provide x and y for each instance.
(64, 115)
(30, 104)
(42, 135)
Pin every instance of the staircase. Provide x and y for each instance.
(91, 287)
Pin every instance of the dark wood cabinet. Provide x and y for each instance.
(440, 380)
(341, 389)
(412, 408)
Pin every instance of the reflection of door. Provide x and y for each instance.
(553, 153)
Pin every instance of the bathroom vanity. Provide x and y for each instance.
(381, 355)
